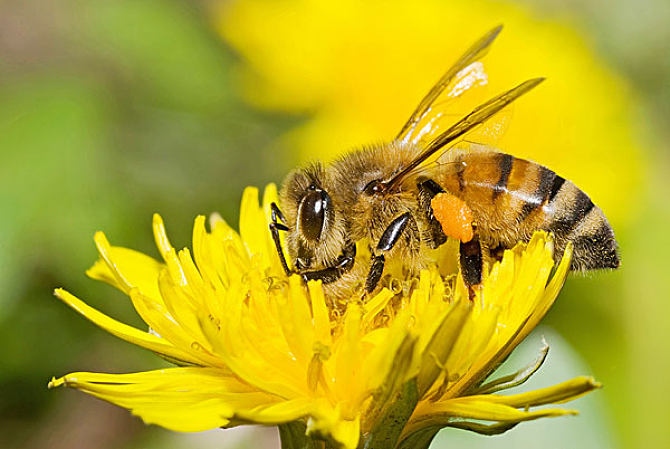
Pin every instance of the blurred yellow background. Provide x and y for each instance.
(111, 111)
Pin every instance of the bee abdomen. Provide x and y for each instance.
(572, 217)
(512, 198)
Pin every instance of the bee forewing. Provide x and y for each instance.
(448, 107)
(443, 166)
(481, 114)
(489, 133)
(465, 75)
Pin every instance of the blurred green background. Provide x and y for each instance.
(110, 111)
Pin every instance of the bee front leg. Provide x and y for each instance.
(387, 241)
(275, 227)
(331, 274)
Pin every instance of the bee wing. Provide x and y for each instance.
(479, 115)
(433, 112)
(441, 167)
(444, 165)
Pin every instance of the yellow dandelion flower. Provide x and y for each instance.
(357, 69)
(253, 346)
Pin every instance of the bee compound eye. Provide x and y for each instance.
(312, 214)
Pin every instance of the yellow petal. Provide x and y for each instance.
(551, 293)
(280, 412)
(180, 399)
(395, 387)
(438, 350)
(329, 424)
(125, 332)
(125, 269)
(160, 236)
(322, 327)
(250, 215)
(206, 267)
(296, 320)
(390, 362)
(375, 305)
(347, 432)
(138, 269)
(348, 352)
(171, 331)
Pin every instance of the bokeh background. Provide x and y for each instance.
(110, 111)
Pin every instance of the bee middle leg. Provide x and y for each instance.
(387, 241)
(428, 189)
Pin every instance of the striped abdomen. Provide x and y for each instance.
(511, 198)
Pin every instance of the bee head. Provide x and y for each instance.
(315, 236)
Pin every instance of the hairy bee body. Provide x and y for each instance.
(510, 199)
(383, 195)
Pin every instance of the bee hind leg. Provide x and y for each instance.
(455, 219)
(387, 241)
(471, 262)
(429, 189)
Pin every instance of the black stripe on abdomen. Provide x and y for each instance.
(541, 194)
(505, 162)
(556, 185)
(580, 207)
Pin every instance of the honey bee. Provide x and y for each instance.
(408, 196)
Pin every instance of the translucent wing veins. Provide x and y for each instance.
(478, 116)
(474, 53)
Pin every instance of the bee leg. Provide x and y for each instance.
(388, 240)
(471, 264)
(375, 273)
(497, 252)
(275, 227)
(327, 275)
(428, 189)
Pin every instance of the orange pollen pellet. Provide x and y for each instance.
(454, 215)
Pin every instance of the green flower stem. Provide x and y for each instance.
(293, 436)
(387, 430)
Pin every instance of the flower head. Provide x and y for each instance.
(253, 346)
